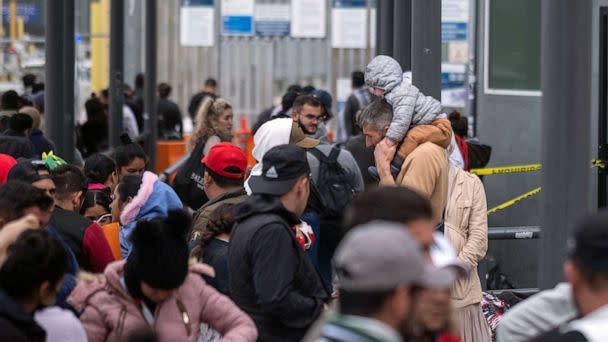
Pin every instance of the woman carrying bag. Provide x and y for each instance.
(213, 125)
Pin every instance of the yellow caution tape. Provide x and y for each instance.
(598, 163)
(522, 168)
(513, 201)
(507, 169)
(525, 168)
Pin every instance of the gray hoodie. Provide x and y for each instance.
(537, 315)
(410, 106)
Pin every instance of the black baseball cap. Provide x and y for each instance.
(28, 171)
(325, 98)
(589, 247)
(281, 167)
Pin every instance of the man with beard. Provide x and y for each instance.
(309, 112)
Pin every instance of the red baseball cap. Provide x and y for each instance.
(6, 164)
(225, 155)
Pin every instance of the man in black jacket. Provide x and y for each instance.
(170, 117)
(271, 277)
(15, 140)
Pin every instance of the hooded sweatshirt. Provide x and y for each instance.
(271, 277)
(154, 199)
(40, 143)
(273, 133)
(108, 312)
(538, 314)
(410, 106)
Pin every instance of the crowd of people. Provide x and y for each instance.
(375, 238)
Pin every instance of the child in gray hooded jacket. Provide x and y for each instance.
(416, 118)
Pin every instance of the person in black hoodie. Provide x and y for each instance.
(15, 140)
(94, 132)
(170, 124)
(29, 279)
(271, 277)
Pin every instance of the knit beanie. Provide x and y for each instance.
(160, 253)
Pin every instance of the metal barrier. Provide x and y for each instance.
(514, 233)
(166, 174)
(525, 292)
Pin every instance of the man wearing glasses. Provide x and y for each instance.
(311, 112)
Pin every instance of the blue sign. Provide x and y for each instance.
(197, 3)
(350, 3)
(32, 12)
(272, 28)
(451, 80)
(453, 32)
(237, 25)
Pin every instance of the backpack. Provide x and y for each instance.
(188, 182)
(334, 188)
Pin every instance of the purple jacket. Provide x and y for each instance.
(109, 313)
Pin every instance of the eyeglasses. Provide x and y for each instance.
(315, 117)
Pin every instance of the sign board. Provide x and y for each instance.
(272, 19)
(451, 32)
(454, 20)
(454, 36)
(458, 52)
(453, 85)
(196, 23)
(349, 24)
(237, 17)
(455, 11)
(308, 18)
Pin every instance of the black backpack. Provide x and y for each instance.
(188, 182)
(334, 188)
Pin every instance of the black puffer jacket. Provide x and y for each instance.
(271, 277)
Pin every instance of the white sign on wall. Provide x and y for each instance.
(349, 28)
(455, 11)
(197, 26)
(308, 18)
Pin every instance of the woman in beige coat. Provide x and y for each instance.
(466, 227)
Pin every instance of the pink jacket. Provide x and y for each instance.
(109, 313)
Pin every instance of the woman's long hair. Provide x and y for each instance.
(208, 113)
(220, 222)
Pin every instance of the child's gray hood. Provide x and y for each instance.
(383, 72)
